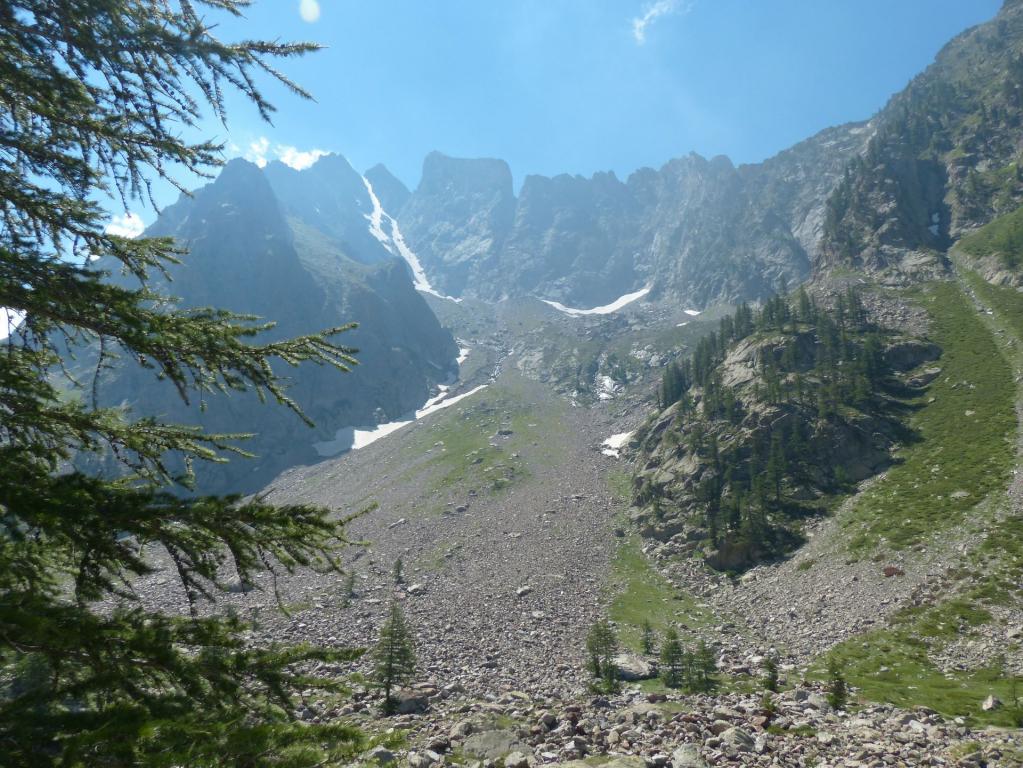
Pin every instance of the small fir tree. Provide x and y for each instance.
(399, 567)
(394, 656)
(705, 668)
(673, 659)
(601, 647)
(647, 639)
(838, 689)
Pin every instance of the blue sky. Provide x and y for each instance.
(580, 86)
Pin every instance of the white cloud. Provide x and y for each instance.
(9, 320)
(296, 158)
(654, 11)
(309, 10)
(128, 225)
(257, 151)
(260, 151)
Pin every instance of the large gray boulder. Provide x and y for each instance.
(687, 756)
(632, 667)
(738, 739)
(494, 745)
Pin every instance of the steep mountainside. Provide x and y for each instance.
(244, 256)
(457, 221)
(943, 159)
(331, 197)
(888, 196)
(697, 230)
(773, 417)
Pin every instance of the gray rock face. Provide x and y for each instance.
(393, 194)
(331, 199)
(696, 229)
(457, 220)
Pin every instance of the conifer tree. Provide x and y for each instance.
(706, 667)
(673, 659)
(838, 689)
(98, 97)
(399, 571)
(348, 593)
(647, 637)
(601, 647)
(394, 658)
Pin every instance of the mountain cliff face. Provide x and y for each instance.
(942, 161)
(299, 259)
(696, 230)
(393, 194)
(457, 221)
(888, 196)
(331, 197)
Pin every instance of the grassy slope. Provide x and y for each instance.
(913, 501)
(968, 431)
(640, 594)
(1002, 238)
(462, 446)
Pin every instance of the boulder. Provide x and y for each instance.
(516, 760)
(411, 702)
(462, 730)
(632, 667)
(687, 756)
(991, 703)
(380, 756)
(910, 353)
(737, 739)
(418, 760)
(493, 744)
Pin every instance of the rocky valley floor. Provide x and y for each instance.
(508, 521)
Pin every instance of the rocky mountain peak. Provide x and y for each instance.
(466, 176)
(393, 194)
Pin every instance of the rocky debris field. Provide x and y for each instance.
(635, 730)
(500, 513)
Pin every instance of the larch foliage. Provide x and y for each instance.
(97, 97)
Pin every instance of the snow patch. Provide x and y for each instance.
(614, 444)
(607, 309)
(376, 217)
(607, 388)
(354, 438)
(395, 242)
(692, 312)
